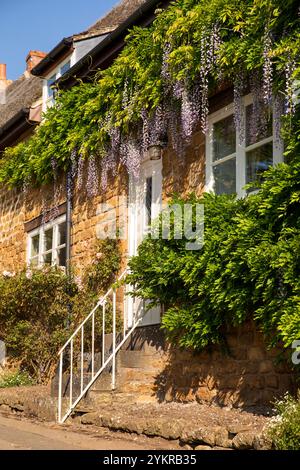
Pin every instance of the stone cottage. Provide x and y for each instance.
(36, 230)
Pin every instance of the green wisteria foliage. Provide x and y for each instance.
(163, 76)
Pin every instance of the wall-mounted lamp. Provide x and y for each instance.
(155, 150)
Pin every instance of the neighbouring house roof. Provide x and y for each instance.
(15, 114)
(57, 54)
(103, 54)
(105, 25)
(21, 93)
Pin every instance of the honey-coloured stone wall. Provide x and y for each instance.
(245, 374)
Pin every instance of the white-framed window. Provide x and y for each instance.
(48, 92)
(232, 160)
(47, 244)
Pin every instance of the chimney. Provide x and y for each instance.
(3, 72)
(3, 83)
(33, 58)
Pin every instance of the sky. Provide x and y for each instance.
(40, 25)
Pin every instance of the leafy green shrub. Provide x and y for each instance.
(285, 428)
(100, 274)
(38, 309)
(249, 266)
(33, 317)
(15, 379)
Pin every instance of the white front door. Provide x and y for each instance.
(145, 200)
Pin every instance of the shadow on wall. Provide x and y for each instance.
(246, 376)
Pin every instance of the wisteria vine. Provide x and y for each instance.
(159, 88)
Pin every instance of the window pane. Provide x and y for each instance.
(258, 161)
(49, 83)
(62, 234)
(48, 238)
(48, 258)
(34, 261)
(148, 201)
(224, 138)
(257, 127)
(65, 68)
(35, 243)
(61, 254)
(225, 177)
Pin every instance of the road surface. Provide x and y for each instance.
(20, 434)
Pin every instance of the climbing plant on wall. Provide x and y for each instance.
(160, 83)
(248, 268)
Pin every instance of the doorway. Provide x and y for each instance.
(145, 202)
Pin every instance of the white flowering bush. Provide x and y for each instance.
(284, 429)
(15, 378)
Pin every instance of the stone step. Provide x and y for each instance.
(138, 387)
(149, 339)
(140, 360)
(130, 374)
(103, 383)
(97, 398)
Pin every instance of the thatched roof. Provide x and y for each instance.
(112, 19)
(21, 93)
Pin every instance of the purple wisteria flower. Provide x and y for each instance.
(278, 109)
(92, 184)
(267, 70)
(239, 116)
(165, 68)
(56, 190)
(190, 108)
(289, 101)
(80, 170)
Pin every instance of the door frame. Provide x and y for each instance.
(137, 215)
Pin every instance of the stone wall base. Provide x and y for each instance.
(244, 375)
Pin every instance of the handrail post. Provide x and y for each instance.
(103, 332)
(124, 311)
(93, 345)
(60, 377)
(71, 374)
(113, 377)
(81, 355)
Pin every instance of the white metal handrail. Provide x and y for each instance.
(79, 333)
(93, 311)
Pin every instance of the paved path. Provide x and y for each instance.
(26, 435)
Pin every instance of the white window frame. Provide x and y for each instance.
(55, 247)
(48, 101)
(241, 149)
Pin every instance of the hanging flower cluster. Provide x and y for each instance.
(239, 115)
(289, 73)
(80, 170)
(267, 70)
(130, 156)
(190, 110)
(209, 48)
(92, 185)
(278, 110)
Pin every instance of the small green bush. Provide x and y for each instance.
(100, 274)
(15, 379)
(39, 309)
(34, 310)
(285, 428)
